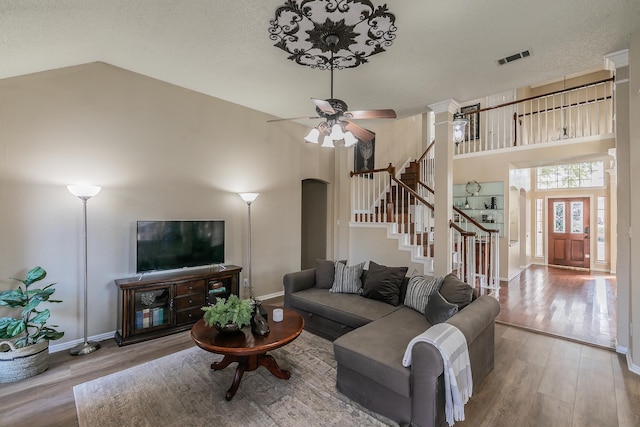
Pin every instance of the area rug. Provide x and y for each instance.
(182, 390)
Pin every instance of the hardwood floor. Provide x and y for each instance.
(538, 380)
(578, 305)
(47, 399)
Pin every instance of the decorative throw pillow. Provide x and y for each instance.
(419, 289)
(383, 283)
(439, 309)
(456, 291)
(347, 278)
(325, 273)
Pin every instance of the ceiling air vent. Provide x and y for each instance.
(514, 57)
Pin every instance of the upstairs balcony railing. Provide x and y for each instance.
(578, 112)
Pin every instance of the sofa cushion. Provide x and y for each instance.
(456, 291)
(419, 289)
(439, 309)
(375, 350)
(383, 283)
(325, 273)
(349, 309)
(347, 278)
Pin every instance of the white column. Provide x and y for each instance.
(443, 200)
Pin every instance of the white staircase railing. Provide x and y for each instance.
(578, 112)
(378, 196)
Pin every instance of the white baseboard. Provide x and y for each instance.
(621, 349)
(632, 367)
(272, 295)
(70, 344)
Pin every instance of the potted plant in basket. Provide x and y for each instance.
(228, 315)
(27, 335)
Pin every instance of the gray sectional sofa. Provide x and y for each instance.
(370, 337)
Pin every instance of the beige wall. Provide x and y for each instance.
(372, 244)
(159, 152)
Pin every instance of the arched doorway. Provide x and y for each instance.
(314, 222)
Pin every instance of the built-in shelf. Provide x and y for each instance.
(483, 202)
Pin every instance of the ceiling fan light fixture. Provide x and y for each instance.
(336, 132)
(313, 136)
(327, 142)
(349, 139)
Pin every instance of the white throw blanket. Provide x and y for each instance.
(458, 382)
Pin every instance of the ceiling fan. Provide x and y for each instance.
(338, 127)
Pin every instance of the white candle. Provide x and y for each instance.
(278, 315)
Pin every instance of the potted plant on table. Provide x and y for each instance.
(27, 335)
(228, 315)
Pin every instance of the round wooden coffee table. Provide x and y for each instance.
(247, 349)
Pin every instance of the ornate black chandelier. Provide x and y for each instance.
(332, 34)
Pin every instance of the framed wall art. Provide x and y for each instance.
(364, 155)
(474, 122)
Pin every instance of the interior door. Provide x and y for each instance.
(569, 237)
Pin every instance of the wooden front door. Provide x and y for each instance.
(569, 241)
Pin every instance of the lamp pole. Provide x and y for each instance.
(84, 193)
(249, 198)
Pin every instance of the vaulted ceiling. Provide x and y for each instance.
(443, 49)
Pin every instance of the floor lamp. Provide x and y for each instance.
(249, 198)
(84, 193)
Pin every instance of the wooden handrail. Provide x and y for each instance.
(461, 230)
(412, 192)
(560, 107)
(429, 189)
(506, 104)
(433, 143)
(474, 222)
(390, 169)
(467, 217)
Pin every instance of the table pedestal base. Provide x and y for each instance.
(249, 363)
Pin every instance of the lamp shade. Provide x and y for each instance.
(327, 142)
(313, 136)
(349, 139)
(249, 197)
(84, 191)
(336, 132)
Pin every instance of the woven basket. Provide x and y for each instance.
(20, 363)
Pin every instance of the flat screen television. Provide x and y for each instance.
(168, 245)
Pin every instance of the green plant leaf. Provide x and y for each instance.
(41, 317)
(22, 342)
(233, 310)
(35, 274)
(32, 322)
(13, 298)
(33, 303)
(15, 328)
(8, 325)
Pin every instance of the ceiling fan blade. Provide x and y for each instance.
(323, 105)
(359, 132)
(371, 114)
(293, 118)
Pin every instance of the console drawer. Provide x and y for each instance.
(193, 287)
(189, 301)
(188, 316)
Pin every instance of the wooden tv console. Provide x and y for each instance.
(154, 305)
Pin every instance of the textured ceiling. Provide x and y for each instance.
(443, 49)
